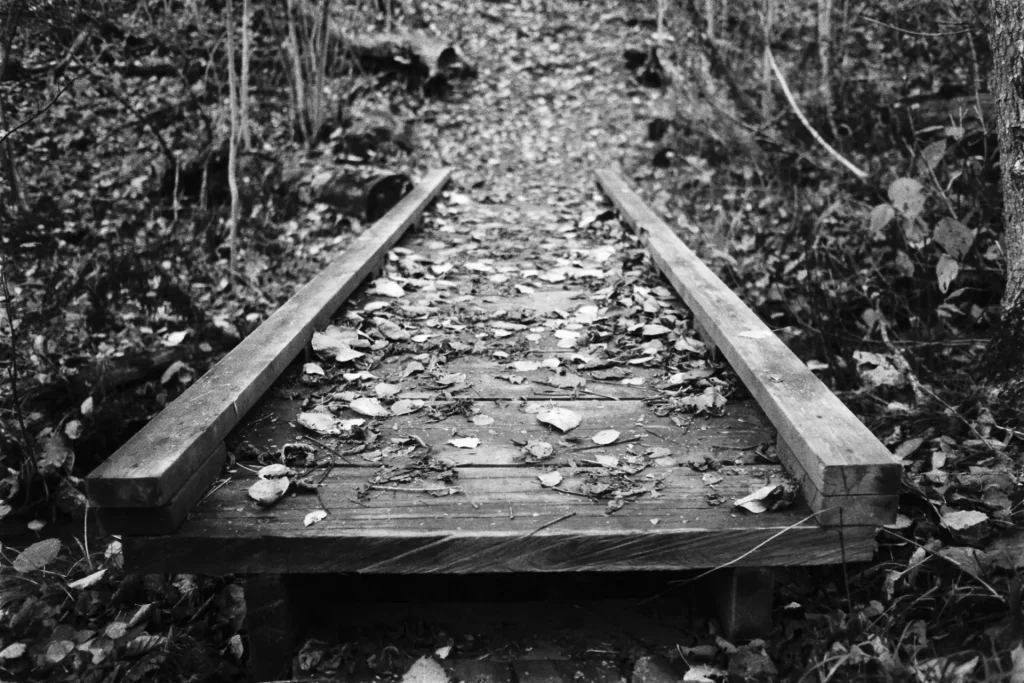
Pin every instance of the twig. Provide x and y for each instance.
(742, 556)
(214, 490)
(922, 34)
(39, 112)
(327, 448)
(603, 445)
(362, 505)
(401, 489)
(571, 493)
(950, 560)
(551, 523)
(594, 393)
(511, 515)
(319, 499)
(807, 124)
(85, 535)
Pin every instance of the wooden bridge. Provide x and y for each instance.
(475, 417)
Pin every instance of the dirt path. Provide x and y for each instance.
(552, 101)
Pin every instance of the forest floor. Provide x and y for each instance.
(553, 100)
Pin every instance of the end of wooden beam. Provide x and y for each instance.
(164, 519)
(839, 510)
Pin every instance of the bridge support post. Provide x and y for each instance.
(270, 619)
(745, 602)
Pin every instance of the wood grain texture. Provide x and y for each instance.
(855, 510)
(461, 552)
(160, 458)
(839, 454)
(729, 438)
(165, 518)
(399, 532)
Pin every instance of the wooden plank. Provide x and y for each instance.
(494, 524)
(486, 492)
(232, 548)
(839, 454)
(165, 518)
(163, 455)
(486, 375)
(729, 438)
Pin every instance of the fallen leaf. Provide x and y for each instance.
(405, 406)
(525, 366)
(37, 555)
(960, 520)
(538, 450)
(605, 437)
(58, 650)
(425, 670)
(336, 342)
(274, 471)
(385, 390)
(87, 581)
(449, 379)
(392, 331)
(550, 479)
(412, 367)
(371, 407)
(483, 420)
(266, 492)
(562, 419)
(358, 376)
(321, 423)
(769, 497)
(314, 517)
(175, 338)
(73, 429)
(654, 330)
(313, 369)
(607, 460)
(389, 288)
(12, 651)
(465, 442)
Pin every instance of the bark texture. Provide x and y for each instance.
(1007, 41)
(1005, 362)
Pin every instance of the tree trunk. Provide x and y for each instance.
(1007, 40)
(1008, 78)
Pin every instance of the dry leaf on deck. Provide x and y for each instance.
(562, 419)
(605, 437)
(465, 442)
(406, 406)
(538, 450)
(321, 423)
(550, 478)
(389, 288)
(370, 407)
(314, 517)
(266, 492)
